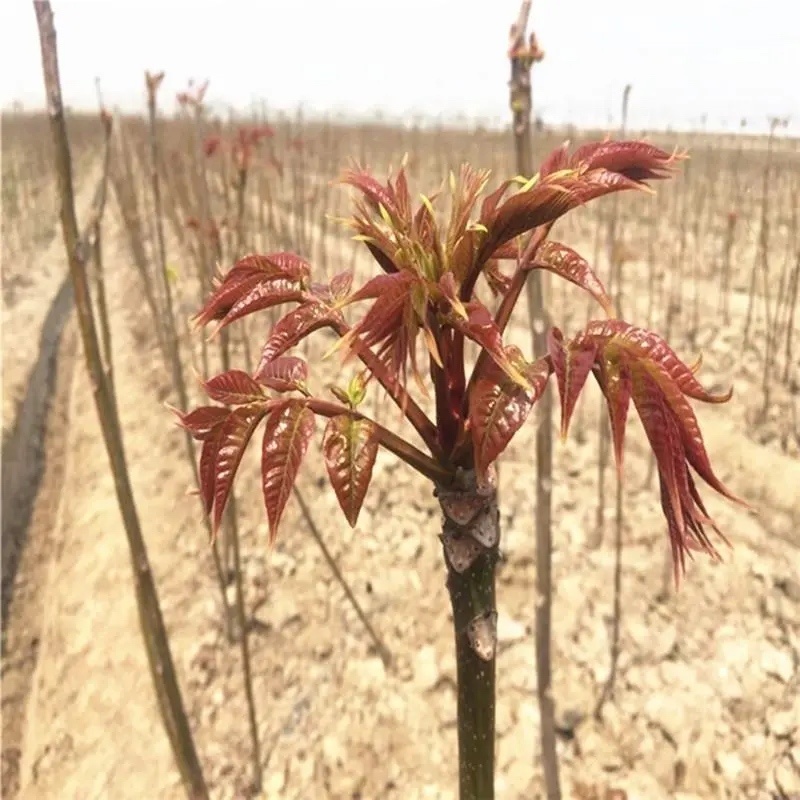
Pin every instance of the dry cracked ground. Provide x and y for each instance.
(707, 696)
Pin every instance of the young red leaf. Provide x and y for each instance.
(208, 460)
(683, 508)
(426, 230)
(284, 374)
(492, 201)
(233, 388)
(390, 321)
(572, 363)
(651, 347)
(470, 185)
(375, 193)
(203, 421)
(480, 327)
(394, 285)
(556, 161)
(635, 160)
(271, 265)
(498, 282)
(294, 327)
(656, 362)
(567, 182)
(340, 284)
(691, 437)
(223, 298)
(350, 446)
(498, 407)
(524, 211)
(449, 289)
(246, 274)
(231, 441)
(569, 265)
(402, 196)
(263, 294)
(638, 364)
(334, 292)
(614, 379)
(287, 434)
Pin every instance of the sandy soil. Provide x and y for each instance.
(707, 696)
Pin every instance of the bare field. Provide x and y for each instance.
(707, 701)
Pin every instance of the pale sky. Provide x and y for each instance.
(728, 59)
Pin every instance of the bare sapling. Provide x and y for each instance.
(773, 326)
(617, 259)
(614, 263)
(729, 239)
(162, 669)
(792, 297)
(123, 183)
(95, 241)
(523, 55)
(166, 313)
(761, 260)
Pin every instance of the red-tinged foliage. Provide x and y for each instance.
(207, 471)
(255, 282)
(498, 406)
(636, 161)
(498, 282)
(287, 435)
(569, 265)
(202, 422)
(480, 327)
(572, 363)
(565, 182)
(631, 363)
(350, 447)
(211, 145)
(291, 329)
(233, 388)
(614, 378)
(246, 141)
(428, 272)
(652, 347)
(374, 192)
(340, 285)
(284, 374)
(272, 265)
(226, 450)
(264, 293)
(392, 323)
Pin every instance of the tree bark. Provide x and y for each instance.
(470, 539)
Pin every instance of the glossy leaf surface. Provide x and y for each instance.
(350, 447)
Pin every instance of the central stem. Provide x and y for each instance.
(476, 685)
(471, 551)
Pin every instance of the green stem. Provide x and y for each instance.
(476, 686)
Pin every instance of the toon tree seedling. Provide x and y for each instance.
(426, 290)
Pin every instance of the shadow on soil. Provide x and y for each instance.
(23, 454)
